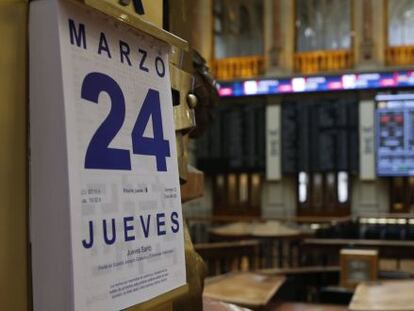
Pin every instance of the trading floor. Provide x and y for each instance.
(191, 155)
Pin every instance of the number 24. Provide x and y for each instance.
(98, 154)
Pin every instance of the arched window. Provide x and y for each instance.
(400, 22)
(244, 22)
(323, 25)
(238, 28)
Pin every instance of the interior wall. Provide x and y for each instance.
(370, 197)
(368, 194)
(279, 198)
(14, 254)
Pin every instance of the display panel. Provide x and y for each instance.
(319, 136)
(395, 135)
(235, 141)
(309, 84)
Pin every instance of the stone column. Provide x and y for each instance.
(279, 192)
(202, 28)
(279, 34)
(153, 13)
(368, 33)
(192, 20)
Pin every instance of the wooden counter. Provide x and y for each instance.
(384, 296)
(290, 306)
(247, 289)
(215, 305)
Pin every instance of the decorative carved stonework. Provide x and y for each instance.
(277, 44)
(367, 43)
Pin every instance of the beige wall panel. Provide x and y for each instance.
(13, 157)
(202, 27)
(370, 197)
(366, 140)
(287, 35)
(153, 11)
(378, 31)
(279, 198)
(273, 143)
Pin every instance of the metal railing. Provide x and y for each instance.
(238, 67)
(323, 61)
(399, 55)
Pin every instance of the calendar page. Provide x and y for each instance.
(126, 221)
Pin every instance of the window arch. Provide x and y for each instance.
(238, 28)
(400, 22)
(322, 25)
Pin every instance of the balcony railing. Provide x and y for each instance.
(322, 61)
(399, 55)
(238, 67)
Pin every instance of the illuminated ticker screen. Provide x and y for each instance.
(395, 135)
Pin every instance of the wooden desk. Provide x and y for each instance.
(301, 270)
(384, 296)
(215, 305)
(246, 289)
(270, 229)
(308, 307)
(271, 234)
(327, 250)
(360, 242)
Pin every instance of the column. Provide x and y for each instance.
(279, 34)
(368, 33)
